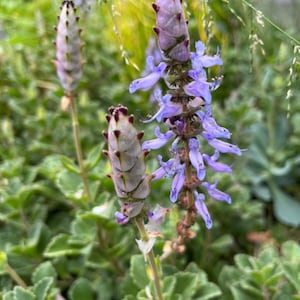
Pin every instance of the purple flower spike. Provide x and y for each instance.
(177, 183)
(214, 165)
(196, 158)
(151, 79)
(200, 61)
(215, 193)
(202, 209)
(221, 146)
(162, 139)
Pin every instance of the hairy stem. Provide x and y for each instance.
(75, 126)
(150, 257)
(15, 276)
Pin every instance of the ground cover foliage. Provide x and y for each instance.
(52, 243)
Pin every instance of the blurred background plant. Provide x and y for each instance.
(53, 244)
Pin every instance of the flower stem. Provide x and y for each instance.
(150, 257)
(15, 276)
(75, 126)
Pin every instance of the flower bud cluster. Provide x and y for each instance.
(171, 29)
(127, 161)
(187, 115)
(68, 48)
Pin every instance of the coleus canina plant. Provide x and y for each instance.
(186, 113)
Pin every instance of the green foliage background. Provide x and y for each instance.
(49, 235)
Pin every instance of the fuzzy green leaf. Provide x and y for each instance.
(42, 288)
(207, 291)
(138, 271)
(22, 294)
(44, 270)
(81, 289)
(59, 246)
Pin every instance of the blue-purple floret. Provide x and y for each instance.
(147, 82)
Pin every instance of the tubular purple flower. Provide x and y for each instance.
(150, 80)
(121, 219)
(213, 129)
(200, 61)
(214, 165)
(162, 139)
(222, 146)
(196, 158)
(167, 109)
(165, 169)
(177, 183)
(157, 216)
(202, 209)
(199, 88)
(215, 193)
(68, 48)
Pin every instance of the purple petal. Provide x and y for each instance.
(121, 219)
(196, 158)
(177, 184)
(162, 139)
(199, 88)
(166, 168)
(215, 193)
(199, 60)
(157, 216)
(148, 81)
(221, 146)
(212, 128)
(202, 210)
(216, 166)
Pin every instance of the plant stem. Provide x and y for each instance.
(150, 257)
(15, 276)
(75, 126)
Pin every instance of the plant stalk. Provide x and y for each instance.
(151, 258)
(75, 126)
(15, 276)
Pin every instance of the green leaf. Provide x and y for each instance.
(81, 289)
(59, 246)
(69, 164)
(168, 285)
(239, 294)
(286, 209)
(292, 273)
(22, 294)
(9, 296)
(44, 270)
(186, 284)
(138, 271)
(70, 184)
(207, 291)
(222, 244)
(291, 251)
(42, 288)
(51, 166)
(94, 156)
(83, 229)
(244, 262)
